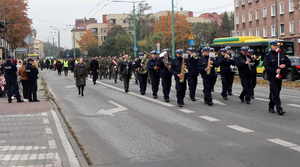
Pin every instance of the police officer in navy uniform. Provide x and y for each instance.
(212, 54)
(94, 68)
(126, 71)
(32, 72)
(140, 66)
(245, 68)
(276, 65)
(193, 72)
(225, 62)
(10, 75)
(165, 64)
(208, 73)
(176, 69)
(254, 63)
(154, 72)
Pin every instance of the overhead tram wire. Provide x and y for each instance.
(96, 10)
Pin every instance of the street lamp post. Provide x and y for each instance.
(134, 24)
(173, 30)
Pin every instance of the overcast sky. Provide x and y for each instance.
(60, 13)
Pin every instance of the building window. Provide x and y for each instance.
(237, 3)
(257, 32)
(292, 27)
(273, 10)
(291, 5)
(243, 19)
(237, 19)
(273, 30)
(256, 14)
(282, 29)
(281, 8)
(250, 17)
(264, 32)
(264, 12)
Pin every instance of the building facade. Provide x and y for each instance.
(79, 28)
(269, 19)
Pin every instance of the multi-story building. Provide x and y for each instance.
(100, 30)
(268, 18)
(79, 28)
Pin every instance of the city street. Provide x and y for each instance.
(130, 130)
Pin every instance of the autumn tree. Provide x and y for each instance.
(88, 41)
(182, 30)
(17, 24)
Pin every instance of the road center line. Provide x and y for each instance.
(262, 99)
(208, 118)
(240, 129)
(187, 111)
(283, 143)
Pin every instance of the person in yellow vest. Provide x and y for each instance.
(66, 67)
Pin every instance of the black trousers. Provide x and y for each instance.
(247, 88)
(116, 76)
(95, 76)
(12, 88)
(143, 82)
(208, 81)
(253, 84)
(32, 90)
(59, 71)
(80, 89)
(25, 85)
(275, 89)
(166, 86)
(180, 90)
(155, 80)
(213, 82)
(126, 79)
(66, 71)
(227, 82)
(192, 82)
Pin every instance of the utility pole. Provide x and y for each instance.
(173, 30)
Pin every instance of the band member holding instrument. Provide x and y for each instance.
(126, 71)
(208, 73)
(212, 54)
(225, 62)
(254, 61)
(165, 74)
(142, 71)
(276, 65)
(154, 72)
(245, 67)
(192, 75)
(178, 69)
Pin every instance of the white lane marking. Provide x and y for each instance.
(240, 129)
(296, 148)
(22, 148)
(113, 111)
(219, 102)
(294, 105)
(25, 157)
(65, 142)
(45, 121)
(262, 99)
(137, 95)
(187, 111)
(48, 131)
(282, 142)
(23, 115)
(16, 157)
(70, 86)
(52, 144)
(208, 118)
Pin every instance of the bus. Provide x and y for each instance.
(261, 47)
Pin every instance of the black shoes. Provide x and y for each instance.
(167, 100)
(155, 97)
(193, 98)
(209, 103)
(271, 110)
(280, 111)
(225, 98)
(143, 93)
(242, 99)
(180, 105)
(229, 94)
(248, 102)
(9, 100)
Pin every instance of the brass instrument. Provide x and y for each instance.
(209, 66)
(143, 69)
(166, 60)
(183, 71)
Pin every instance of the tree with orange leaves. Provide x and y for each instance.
(88, 41)
(17, 24)
(182, 30)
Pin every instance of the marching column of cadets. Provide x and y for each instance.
(186, 67)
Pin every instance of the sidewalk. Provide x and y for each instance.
(31, 135)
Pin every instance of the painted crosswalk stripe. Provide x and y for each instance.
(282, 142)
(294, 105)
(27, 157)
(262, 99)
(187, 111)
(48, 131)
(208, 118)
(22, 148)
(240, 129)
(46, 121)
(52, 144)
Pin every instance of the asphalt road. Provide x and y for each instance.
(130, 130)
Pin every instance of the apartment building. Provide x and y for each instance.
(269, 19)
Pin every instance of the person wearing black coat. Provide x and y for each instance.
(32, 73)
(165, 64)
(10, 75)
(245, 68)
(94, 68)
(225, 62)
(208, 73)
(126, 68)
(154, 73)
(276, 65)
(193, 72)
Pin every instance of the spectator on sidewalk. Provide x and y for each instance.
(32, 72)
(11, 78)
(80, 74)
(24, 80)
